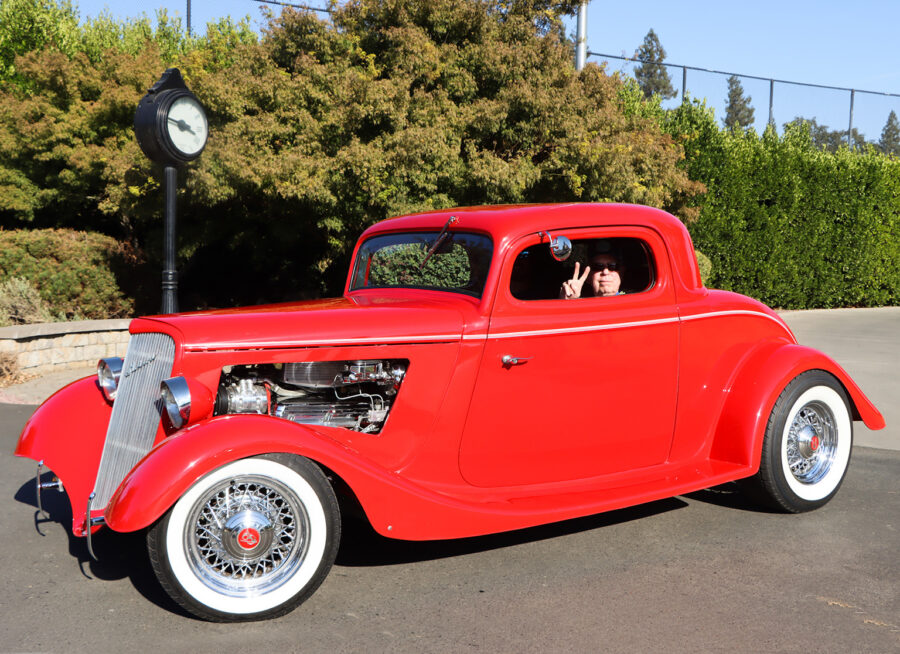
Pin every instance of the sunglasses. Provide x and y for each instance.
(611, 266)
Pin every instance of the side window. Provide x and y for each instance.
(620, 265)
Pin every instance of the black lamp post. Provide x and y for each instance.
(171, 128)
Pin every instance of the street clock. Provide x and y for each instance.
(170, 124)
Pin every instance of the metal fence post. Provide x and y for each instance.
(850, 128)
(771, 101)
(683, 83)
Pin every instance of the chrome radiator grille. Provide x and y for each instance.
(136, 411)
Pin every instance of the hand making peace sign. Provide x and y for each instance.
(572, 288)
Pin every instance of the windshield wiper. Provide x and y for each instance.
(439, 241)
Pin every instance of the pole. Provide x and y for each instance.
(771, 101)
(683, 83)
(850, 128)
(170, 275)
(581, 37)
(189, 18)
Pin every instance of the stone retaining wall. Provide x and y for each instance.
(51, 347)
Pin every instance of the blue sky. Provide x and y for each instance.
(845, 44)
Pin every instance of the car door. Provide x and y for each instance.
(574, 389)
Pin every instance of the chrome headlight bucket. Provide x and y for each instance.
(176, 398)
(108, 373)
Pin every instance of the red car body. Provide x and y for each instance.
(609, 402)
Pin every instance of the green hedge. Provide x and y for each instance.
(76, 273)
(794, 226)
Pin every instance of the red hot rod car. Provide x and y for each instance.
(453, 390)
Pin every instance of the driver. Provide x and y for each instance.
(605, 280)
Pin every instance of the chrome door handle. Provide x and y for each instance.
(509, 360)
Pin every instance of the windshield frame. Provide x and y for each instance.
(473, 242)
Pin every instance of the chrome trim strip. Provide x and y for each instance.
(414, 340)
(585, 328)
(375, 340)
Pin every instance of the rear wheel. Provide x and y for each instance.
(806, 450)
(250, 540)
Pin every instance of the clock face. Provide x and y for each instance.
(187, 125)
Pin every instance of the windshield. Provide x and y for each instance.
(459, 264)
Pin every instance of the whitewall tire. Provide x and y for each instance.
(806, 449)
(250, 540)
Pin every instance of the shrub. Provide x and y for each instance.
(75, 273)
(10, 373)
(705, 266)
(792, 225)
(21, 304)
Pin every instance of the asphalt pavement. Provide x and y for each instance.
(706, 572)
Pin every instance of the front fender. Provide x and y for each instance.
(171, 467)
(395, 506)
(742, 424)
(67, 433)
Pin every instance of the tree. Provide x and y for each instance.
(324, 127)
(822, 137)
(890, 136)
(652, 75)
(738, 113)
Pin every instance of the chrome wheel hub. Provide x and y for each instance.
(811, 442)
(246, 535)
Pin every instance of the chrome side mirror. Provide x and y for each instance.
(560, 246)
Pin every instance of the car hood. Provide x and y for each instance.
(334, 321)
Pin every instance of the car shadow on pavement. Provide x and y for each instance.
(119, 556)
(731, 495)
(362, 546)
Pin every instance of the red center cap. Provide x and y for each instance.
(248, 538)
(814, 443)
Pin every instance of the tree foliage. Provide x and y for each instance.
(651, 75)
(824, 138)
(890, 136)
(324, 127)
(738, 112)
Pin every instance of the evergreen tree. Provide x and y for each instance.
(890, 136)
(738, 113)
(651, 75)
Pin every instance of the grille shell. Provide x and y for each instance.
(136, 411)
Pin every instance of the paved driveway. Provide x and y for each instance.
(866, 342)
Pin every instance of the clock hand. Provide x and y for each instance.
(182, 125)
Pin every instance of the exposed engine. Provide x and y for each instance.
(355, 395)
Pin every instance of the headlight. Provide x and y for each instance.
(176, 397)
(108, 373)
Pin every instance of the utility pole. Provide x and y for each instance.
(581, 37)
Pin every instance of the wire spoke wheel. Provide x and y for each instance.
(247, 533)
(806, 448)
(250, 540)
(811, 443)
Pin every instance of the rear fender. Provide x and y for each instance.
(741, 427)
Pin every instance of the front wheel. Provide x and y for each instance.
(807, 443)
(250, 540)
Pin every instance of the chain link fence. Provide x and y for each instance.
(777, 101)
